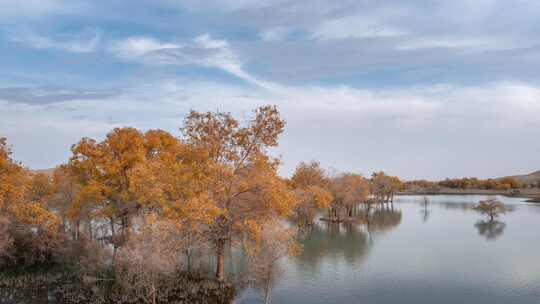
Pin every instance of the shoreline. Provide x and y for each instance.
(532, 195)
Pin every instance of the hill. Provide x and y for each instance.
(528, 178)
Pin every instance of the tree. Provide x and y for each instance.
(103, 171)
(491, 207)
(29, 228)
(310, 184)
(150, 256)
(274, 243)
(65, 190)
(384, 186)
(13, 179)
(173, 183)
(348, 190)
(244, 186)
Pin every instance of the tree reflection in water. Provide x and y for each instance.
(490, 229)
(351, 240)
(425, 211)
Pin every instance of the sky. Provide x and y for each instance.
(419, 89)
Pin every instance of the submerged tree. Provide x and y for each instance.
(384, 187)
(244, 186)
(349, 190)
(123, 174)
(491, 207)
(149, 257)
(310, 185)
(274, 243)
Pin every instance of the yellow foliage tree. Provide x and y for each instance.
(26, 222)
(244, 186)
(310, 185)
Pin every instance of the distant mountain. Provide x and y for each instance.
(528, 178)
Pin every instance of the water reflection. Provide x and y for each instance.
(391, 255)
(425, 211)
(350, 241)
(335, 240)
(490, 229)
(425, 214)
(381, 220)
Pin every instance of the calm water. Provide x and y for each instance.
(445, 254)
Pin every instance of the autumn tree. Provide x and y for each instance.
(149, 257)
(64, 192)
(102, 169)
(13, 181)
(348, 190)
(384, 186)
(273, 244)
(310, 185)
(491, 207)
(173, 183)
(29, 228)
(244, 186)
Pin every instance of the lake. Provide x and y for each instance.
(445, 253)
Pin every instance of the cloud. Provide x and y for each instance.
(51, 95)
(13, 10)
(410, 87)
(356, 26)
(135, 48)
(203, 50)
(407, 131)
(275, 34)
(84, 42)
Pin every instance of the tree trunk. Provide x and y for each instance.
(220, 255)
(268, 290)
(113, 241)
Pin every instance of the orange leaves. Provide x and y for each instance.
(195, 210)
(311, 188)
(34, 214)
(41, 188)
(384, 186)
(123, 171)
(241, 181)
(13, 178)
(350, 189)
(321, 197)
(309, 174)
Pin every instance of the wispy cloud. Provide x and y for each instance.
(51, 95)
(139, 48)
(84, 42)
(203, 50)
(275, 34)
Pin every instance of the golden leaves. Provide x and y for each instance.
(35, 214)
(13, 178)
